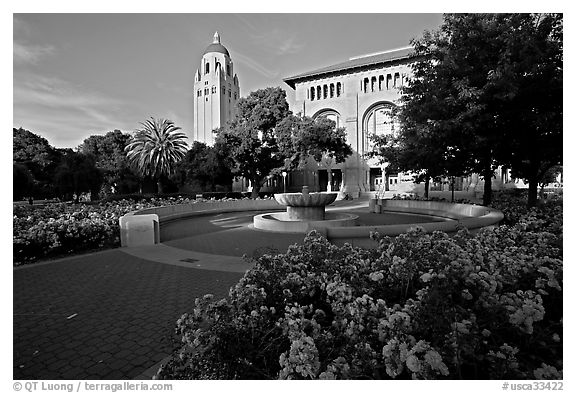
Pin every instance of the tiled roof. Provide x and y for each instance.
(355, 62)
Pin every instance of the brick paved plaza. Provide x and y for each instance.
(107, 315)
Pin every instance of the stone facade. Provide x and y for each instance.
(216, 92)
(358, 95)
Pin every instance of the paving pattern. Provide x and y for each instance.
(108, 315)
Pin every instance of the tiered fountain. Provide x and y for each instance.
(304, 211)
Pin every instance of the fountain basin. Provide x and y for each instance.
(298, 199)
(280, 222)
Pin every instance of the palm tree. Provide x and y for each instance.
(155, 149)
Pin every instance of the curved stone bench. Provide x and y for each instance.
(165, 214)
(472, 217)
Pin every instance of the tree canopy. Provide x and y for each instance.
(301, 138)
(486, 91)
(204, 168)
(250, 140)
(38, 157)
(77, 173)
(110, 158)
(266, 138)
(156, 148)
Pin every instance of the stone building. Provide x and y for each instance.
(358, 95)
(216, 90)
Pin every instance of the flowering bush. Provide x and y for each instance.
(58, 229)
(421, 305)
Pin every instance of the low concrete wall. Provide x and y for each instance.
(468, 216)
(177, 212)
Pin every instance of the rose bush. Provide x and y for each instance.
(421, 305)
(59, 229)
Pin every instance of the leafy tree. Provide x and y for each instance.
(527, 84)
(108, 151)
(22, 183)
(204, 168)
(549, 177)
(155, 149)
(301, 138)
(251, 140)
(266, 138)
(470, 90)
(77, 173)
(445, 100)
(38, 156)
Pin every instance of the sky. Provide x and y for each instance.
(76, 75)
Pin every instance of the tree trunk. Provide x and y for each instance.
(487, 198)
(160, 186)
(256, 186)
(452, 184)
(426, 186)
(532, 191)
(329, 188)
(255, 191)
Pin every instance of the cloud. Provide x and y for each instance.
(64, 111)
(20, 26)
(275, 41)
(254, 65)
(30, 54)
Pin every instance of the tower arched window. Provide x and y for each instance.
(228, 69)
(207, 68)
(378, 120)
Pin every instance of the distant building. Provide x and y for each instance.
(358, 95)
(216, 92)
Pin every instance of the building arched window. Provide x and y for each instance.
(381, 83)
(207, 68)
(378, 120)
(331, 90)
(373, 84)
(312, 93)
(331, 115)
(318, 92)
(228, 69)
(338, 89)
(397, 80)
(325, 89)
(365, 85)
(388, 82)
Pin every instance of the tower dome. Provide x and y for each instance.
(216, 46)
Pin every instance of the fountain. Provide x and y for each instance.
(304, 211)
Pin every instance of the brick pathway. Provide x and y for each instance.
(107, 315)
